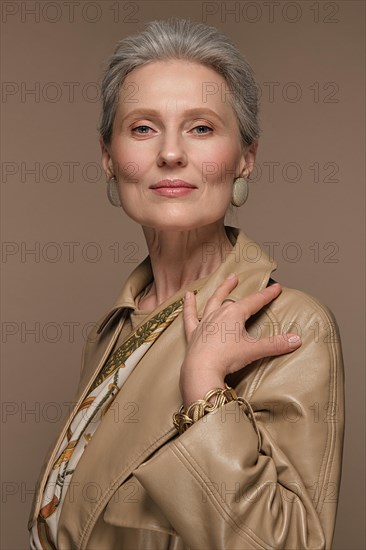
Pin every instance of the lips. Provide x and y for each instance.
(172, 184)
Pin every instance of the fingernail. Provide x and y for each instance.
(231, 276)
(187, 295)
(293, 340)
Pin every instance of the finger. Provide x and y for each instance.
(272, 346)
(190, 319)
(221, 292)
(254, 302)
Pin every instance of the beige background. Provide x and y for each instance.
(308, 58)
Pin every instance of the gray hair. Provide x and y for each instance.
(187, 40)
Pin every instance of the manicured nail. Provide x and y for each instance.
(231, 276)
(293, 340)
(187, 295)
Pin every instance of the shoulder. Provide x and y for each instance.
(305, 312)
(318, 363)
(315, 368)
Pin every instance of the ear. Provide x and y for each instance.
(248, 159)
(106, 160)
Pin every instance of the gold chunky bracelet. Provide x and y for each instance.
(183, 419)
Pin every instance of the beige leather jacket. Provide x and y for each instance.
(222, 484)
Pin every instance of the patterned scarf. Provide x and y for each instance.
(108, 382)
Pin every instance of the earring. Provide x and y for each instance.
(112, 191)
(240, 192)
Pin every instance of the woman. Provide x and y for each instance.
(197, 420)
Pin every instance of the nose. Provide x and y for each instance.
(172, 151)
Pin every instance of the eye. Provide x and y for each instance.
(142, 130)
(202, 129)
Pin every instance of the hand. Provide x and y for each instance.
(213, 351)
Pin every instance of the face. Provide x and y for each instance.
(175, 147)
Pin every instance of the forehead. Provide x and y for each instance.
(174, 84)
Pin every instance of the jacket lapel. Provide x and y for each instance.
(99, 345)
(97, 355)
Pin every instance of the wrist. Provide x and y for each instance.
(212, 400)
(195, 386)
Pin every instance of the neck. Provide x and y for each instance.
(180, 257)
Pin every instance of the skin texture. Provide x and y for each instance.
(167, 127)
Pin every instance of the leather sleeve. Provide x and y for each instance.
(223, 487)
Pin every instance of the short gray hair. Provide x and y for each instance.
(183, 39)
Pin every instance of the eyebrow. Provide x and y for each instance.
(196, 111)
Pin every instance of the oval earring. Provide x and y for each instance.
(240, 192)
(112, 192)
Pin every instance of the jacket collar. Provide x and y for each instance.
(247, 259)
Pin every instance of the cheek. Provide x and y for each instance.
(219, 166)
(130, 163)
